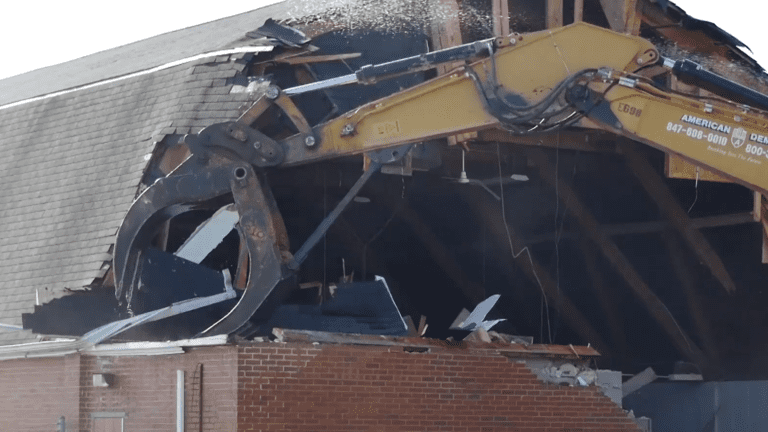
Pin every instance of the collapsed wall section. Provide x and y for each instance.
(346, 387)
(270, 386)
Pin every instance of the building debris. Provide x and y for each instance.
(208, 235)
(638, 381)
(285, 35)
(470, 321)
(555, 353)
(576, 372)
(610, 384)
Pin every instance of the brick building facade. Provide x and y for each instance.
(302, 386)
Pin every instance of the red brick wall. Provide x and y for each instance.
(345, 388)
(145, 389)
(34, 393)
(271, 386)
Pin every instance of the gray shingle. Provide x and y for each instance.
(71, 167)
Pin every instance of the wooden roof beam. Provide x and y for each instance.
(500, 17)
(634, 228)
(535, 272)
(671, 209)
(605, 298)
(760, 214)
(695, 308)
(622, 15)
(619, 261)
(554, 13)
(578, 10)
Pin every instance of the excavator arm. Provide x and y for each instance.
(725, 137)
(576, 76)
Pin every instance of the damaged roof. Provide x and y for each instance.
(73, 162)
(137, 56)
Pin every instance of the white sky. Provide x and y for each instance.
(35, 34)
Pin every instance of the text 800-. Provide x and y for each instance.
(697, 134)
(755, 149)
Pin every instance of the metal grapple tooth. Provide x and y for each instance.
(167, 197)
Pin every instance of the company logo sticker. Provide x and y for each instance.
(739, 137)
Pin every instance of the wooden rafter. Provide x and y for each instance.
(535, 272)
(500, 17)
(446, 33)
(648, 227)
(760, 214)
(605, 298)
(671, 209)
(619, 261)
(554, 13)
(578, 10)
(695, 308)
(622, 15)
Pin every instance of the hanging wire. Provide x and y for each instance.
(696, 193)
(325, 240)
(557, 214)
(525, 249)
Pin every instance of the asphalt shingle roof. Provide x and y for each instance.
(137, 56)
(71, 166)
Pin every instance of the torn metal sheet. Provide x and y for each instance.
(288, 36)
(62, 347)
(469, 321)
(358, 307)
(165, 279)
(638, 381)
(112, 329)
(208, 235)
(610, 384)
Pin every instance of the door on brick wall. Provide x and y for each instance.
(108, 425)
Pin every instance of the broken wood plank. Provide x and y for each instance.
(638, 381)
(554, 13)
(656, 308)
(671, 209)
(446, 33)
(578, 10)
(500, 17)
(760, 214)
(632, 18)
(757, 206)
(412, 332)
(765, 242)
(623, 16)
(503, 348)
(647, 227)
(422, 325)
(317, 58)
